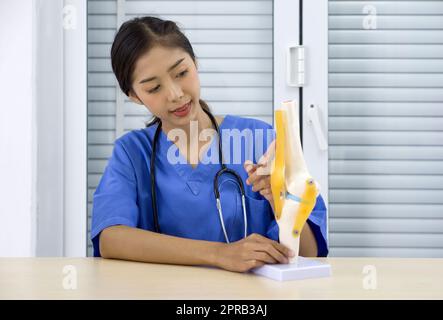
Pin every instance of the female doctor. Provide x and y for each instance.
(165, 212)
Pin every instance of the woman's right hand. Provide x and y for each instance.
(251, 252)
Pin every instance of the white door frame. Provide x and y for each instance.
(315, 89)
(75, 128)
(61, 101)
(286, 33)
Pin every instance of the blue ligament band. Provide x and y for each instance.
(295, 198)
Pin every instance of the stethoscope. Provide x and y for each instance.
(223, 170)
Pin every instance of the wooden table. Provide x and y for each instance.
(96, 278)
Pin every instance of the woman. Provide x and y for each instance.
(155, 66)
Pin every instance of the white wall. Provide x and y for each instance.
(48, 57)
(17, 130)
(43, 116)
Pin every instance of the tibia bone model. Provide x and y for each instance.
(293, 189)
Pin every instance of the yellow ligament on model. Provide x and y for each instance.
(305, 207)
(278, 164)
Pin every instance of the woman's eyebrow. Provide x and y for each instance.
(170, 68)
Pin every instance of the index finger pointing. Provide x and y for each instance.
(248, 165)
(268, 155)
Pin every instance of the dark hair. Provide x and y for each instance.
(136, 37)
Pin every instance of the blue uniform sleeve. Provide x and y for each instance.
(318, 223)
(273, 230)
(115, 199)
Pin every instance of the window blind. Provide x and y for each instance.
(386, 128)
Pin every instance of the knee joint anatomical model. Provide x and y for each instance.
(293, 189)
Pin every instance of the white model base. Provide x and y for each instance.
(303, 269)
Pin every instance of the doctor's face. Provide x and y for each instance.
(165, 80)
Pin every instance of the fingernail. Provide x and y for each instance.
(291, 253)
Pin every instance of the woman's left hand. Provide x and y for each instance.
(259, 175)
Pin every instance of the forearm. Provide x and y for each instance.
(126, 243)
(308, 244)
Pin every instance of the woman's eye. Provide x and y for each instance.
(154, 90)
(181, 74)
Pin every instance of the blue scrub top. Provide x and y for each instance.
(185, 196)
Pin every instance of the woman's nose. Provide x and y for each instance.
(174, 92)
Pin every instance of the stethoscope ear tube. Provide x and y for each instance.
(245, 218)
(153, 193)
(220, 215)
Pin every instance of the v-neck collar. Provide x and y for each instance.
(193, 177)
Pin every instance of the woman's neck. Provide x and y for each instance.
(189, 141)
(201, 121)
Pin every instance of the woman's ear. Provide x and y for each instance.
(133, 97)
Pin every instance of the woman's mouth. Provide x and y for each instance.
(183, 111)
